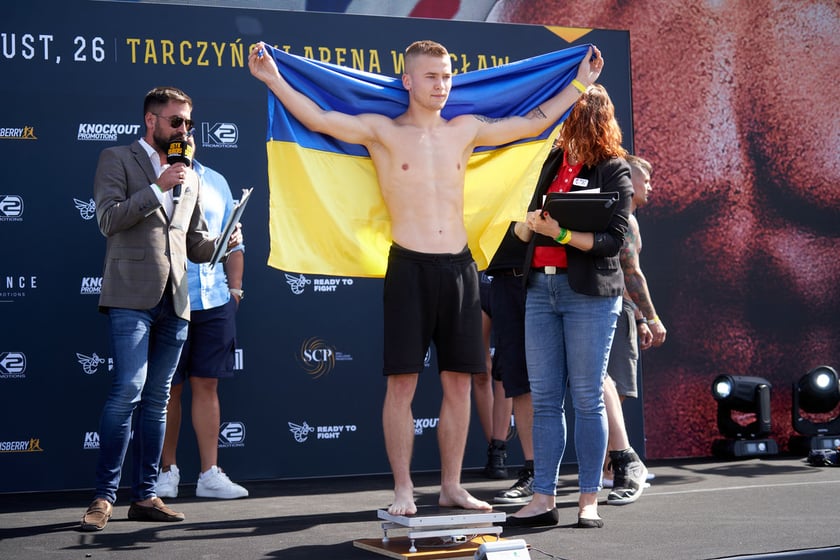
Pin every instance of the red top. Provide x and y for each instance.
(555, 255)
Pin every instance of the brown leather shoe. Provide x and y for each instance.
(97, 515)
(158, 511)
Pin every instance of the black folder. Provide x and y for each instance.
(582, 212)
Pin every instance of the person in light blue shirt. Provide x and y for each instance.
(208, 355)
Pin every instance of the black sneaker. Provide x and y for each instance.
(496, 455)
(630, 477)
(521, 492)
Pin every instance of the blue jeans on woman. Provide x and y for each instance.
(567, 342)
(145, 345)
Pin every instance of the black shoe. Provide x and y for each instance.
(521, 492)
(630, 477)
(587, 523)
(496, 455)
(546, 519)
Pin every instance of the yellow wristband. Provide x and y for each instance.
(654, 320)
(563, 237)
(578, 85)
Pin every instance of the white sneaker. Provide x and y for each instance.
(215, 484)
(167, 483)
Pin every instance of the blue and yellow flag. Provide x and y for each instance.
(327, 215)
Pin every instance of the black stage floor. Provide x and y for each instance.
(695, 509)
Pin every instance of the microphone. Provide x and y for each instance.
(179, 151)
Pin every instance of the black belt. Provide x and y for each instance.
(549, 269)
(506, 272)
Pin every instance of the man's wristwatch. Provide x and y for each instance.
(238, 293)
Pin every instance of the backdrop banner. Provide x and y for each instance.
(307, 396)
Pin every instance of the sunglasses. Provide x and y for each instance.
(175, 121)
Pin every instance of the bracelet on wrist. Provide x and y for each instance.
(654, 320)
(642, 321)
(579, 85)
(563, 237)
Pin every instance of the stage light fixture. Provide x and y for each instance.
(815, 411)
(742, 437)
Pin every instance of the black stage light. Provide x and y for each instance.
(742, 438)
(815, 411)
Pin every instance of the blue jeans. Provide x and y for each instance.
(567, 342)
(146, 345)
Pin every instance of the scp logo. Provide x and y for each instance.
(11, 206)
(219, 135)
(232, 434)
(12, 364)
(317, 357)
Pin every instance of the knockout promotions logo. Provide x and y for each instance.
(99, 132)
(91, 440)
(91, 285)
(219, 135)
(11, 208)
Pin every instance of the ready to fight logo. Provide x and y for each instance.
(90, 364)
(301, 431)
(87, 210)
(329, 284)
(297, 283)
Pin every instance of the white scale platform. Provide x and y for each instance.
(429, 522)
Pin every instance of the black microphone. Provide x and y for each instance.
(179, 151)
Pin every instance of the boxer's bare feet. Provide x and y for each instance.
(458, 497)
(403, 502)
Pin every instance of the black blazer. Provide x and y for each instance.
(596, 272)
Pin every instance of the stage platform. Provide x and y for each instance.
(694, 510)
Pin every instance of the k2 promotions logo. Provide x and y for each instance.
(12, 365)
(87, 210)
(232, 434)
(219, 135)
(11, 208)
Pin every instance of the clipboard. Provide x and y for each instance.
(582, 212)
(230, 226)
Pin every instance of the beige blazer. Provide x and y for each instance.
(145, 249)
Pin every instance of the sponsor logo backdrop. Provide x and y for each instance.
(307, 397)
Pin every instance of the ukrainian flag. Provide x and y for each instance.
(326, 212)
